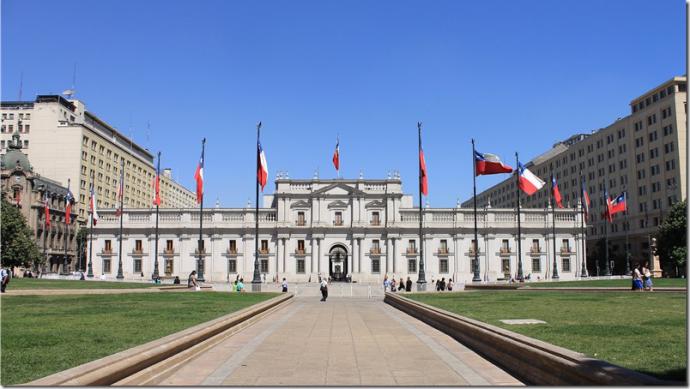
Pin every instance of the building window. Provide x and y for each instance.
(168, 266)
(668, 148)
(536, 264)
(505, 246)
(232, 246)
(375, 221)
(138, 247)
(300, 247)
(137, 265)
(300, 266)
(443, 265)
(300, 218)
(443, 247)
(412, 247)
(106, 265)
(375, 265)
(26, 144)
(565, 264)
(338, 218)
(264, 266)
(232, 266)
(108, 249)
(411, 265)
(535, 246)
(565, 246)
(375, 248)
(505, 267)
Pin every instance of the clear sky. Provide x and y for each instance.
(515, 75)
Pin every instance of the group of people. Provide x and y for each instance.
(391, 285)
(642, 277)
(441, 284)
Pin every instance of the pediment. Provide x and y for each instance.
(377, 204)
(300, 204)
(337, 205)
(337, 189)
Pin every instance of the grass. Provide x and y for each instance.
(42, 335)
(645, 332)
(40, 283)
(624, 283)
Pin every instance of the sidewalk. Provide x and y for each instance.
(344, 341)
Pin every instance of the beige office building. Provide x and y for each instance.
(65, 141)
(642, 153)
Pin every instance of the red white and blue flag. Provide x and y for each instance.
(556, 193)
(486, 163)
(69, 199)
(529, 183)
(336, 155)
(618, 204)
(92, 206)
(585, 200)
(199, 177)
(262, 173)
(46, 209)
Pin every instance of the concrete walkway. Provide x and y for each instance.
(344, 341)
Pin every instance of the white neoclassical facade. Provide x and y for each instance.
(362, 228)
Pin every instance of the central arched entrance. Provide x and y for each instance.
(337, 263)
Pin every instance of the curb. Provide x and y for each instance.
(532, 361)
(113, 368)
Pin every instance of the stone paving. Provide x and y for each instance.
(344, 341)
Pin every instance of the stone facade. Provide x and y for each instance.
(366, 229)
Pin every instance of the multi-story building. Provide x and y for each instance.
(28, 191)
(642, 154)
(365, 229)
(66, 142)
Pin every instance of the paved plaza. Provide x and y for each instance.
(344, 341)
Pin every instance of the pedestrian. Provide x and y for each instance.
(233, 286)
(401, 284)
(240, 285)
(408, 285)
(450, 284)
(4, 279)
(191, 281)
(438, 285)
(636, 278)
(393, 285)
(176, 281)
(324, 289)
(285, 285)
(647, 277)
(443, 284)
(386, 283)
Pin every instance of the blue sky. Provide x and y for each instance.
(515, 75)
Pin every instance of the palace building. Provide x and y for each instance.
(359, 229)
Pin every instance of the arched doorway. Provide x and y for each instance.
(337, 263)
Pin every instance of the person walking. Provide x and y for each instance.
(450, 284)
(386, 283)
(392, 284)
(647, 277)
(401, 284)
(636, 278)
(285, 285)
(191, 281)
(324, 289)
(240, 285)
(443, 284)
(408, 285)
(5, 276)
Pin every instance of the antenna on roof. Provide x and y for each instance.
(72, 91)
(21, 85)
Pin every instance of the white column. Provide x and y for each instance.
(389, 254)
(318, 254)
(355, 255)
(279, 242)
(284, 255)
(395, 255)
(359, 255)
(311, 259)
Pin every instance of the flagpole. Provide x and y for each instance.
(66, 237)
(584, 229)
(606, 234)
(90, 271)
(421, 278)
(256, 280)
(157, 196)
(554, 273)
(45, 227)
(476, 277)
(122, 217)
(519, 240)
(627, 235)
(200, 260)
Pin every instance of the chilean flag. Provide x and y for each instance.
(157, 189)
(92, 206)
(422, 167)
(585, 200)
(199, 177)
(46, 209)
(607, 212)
(486, 163)
(262, 173)
(556, 192)
(69, 198)
(529, 183)
(618, 204)
(336, 155)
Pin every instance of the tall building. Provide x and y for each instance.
(364, 229)
(65, 141)
(642, 154)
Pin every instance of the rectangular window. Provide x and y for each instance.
(338, 218)
(108, 247)
(169, 246)
(505, 267)
(300, 246)
(232, 266)
(411, 265)
(106, 265)
(535, 246)
(565, 246)
(443, 265)
(375, 221)
(168, 266)
(443, 248)
(300, 266)
(138, 246)
(264, 247)
(264, 266)
(137, 265)
(375, 265)
(536, 264)
(375, 248)
(565, 264)
(300, 218)
(505, 246)
(412, 247)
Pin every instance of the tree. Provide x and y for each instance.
(18, 246)
(672, 240)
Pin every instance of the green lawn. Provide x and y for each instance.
(42, 335)
(624, 283)
(40, 283)
(641, 331)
